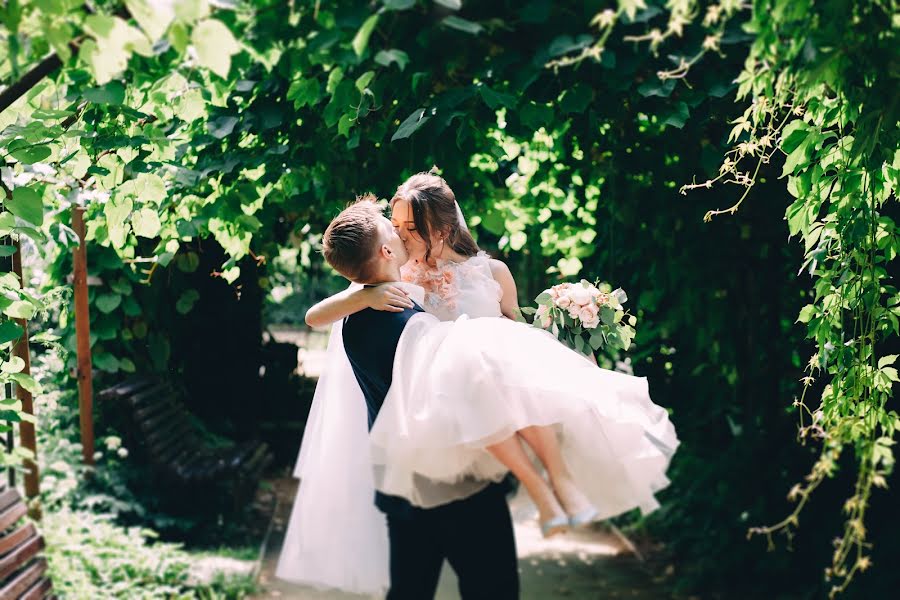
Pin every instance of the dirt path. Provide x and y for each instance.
(588, 564)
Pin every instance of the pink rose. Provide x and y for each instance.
(588, 313)
(564, 301)
(592, 324)
(543, 313)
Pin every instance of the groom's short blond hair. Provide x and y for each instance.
(352, 238)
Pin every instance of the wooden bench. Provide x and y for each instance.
(161, 430)
(23, 573)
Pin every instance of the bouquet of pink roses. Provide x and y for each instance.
(585, 316)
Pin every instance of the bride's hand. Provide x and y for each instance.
(387, 297)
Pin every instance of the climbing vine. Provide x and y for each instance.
(820, 83)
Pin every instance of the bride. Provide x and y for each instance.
(605, 446)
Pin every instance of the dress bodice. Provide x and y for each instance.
(453, 289)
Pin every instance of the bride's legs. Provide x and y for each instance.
(546, 446)
(513, 456)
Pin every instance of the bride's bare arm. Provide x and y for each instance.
(509, 303)
(380, 297)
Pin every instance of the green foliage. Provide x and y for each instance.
(248, 130)
(91, 558)
(822, 83)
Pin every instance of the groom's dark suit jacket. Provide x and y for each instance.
(370, 340)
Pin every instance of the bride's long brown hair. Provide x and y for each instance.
(434, 209)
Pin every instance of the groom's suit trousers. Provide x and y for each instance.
(475, 535)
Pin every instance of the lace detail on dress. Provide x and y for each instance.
(452, 288)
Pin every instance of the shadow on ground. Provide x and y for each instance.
(593, 563)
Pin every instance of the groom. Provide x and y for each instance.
(474, 534)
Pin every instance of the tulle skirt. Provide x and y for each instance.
(336, 538)
(463, 385)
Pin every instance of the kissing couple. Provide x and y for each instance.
(432, 393)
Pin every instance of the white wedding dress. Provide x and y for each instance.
(460, 383)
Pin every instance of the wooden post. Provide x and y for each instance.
(83, 336)
(27, 436)
(8, 388)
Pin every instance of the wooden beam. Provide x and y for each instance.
(83, 338)
(28, 81)
(27, 437)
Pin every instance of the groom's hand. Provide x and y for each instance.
(387, 297)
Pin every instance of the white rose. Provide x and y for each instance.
(581, 295)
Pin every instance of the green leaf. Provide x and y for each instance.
(793, 134)
(576, 99)
(106, 362)
(146, 187)
(26, 204)
(569, 266)
(656, 87)
(517, 240)
(564, 44)
(304, 92)
(191, 11)
(534, 116)
(9, 331)
(451, 4)
(7, 223)
(186, 301)
(607, 316)
(800, 156)
(363, 81)
(114, 41)
(221, 126)
(30, 154)
(28, 383)
(679, 117)
(111, 93)
(187, 262)
(13, 365)
(496, 99)
(887, 360)
(116, 212)
(631, 7)
(386, 57)
(412, 123)
(106, 303)
(154, 17)
(399, 4)
(361, 39)
(463, 25)
(807, 313)
(494, 221)
(215, 45)
(145, 223)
